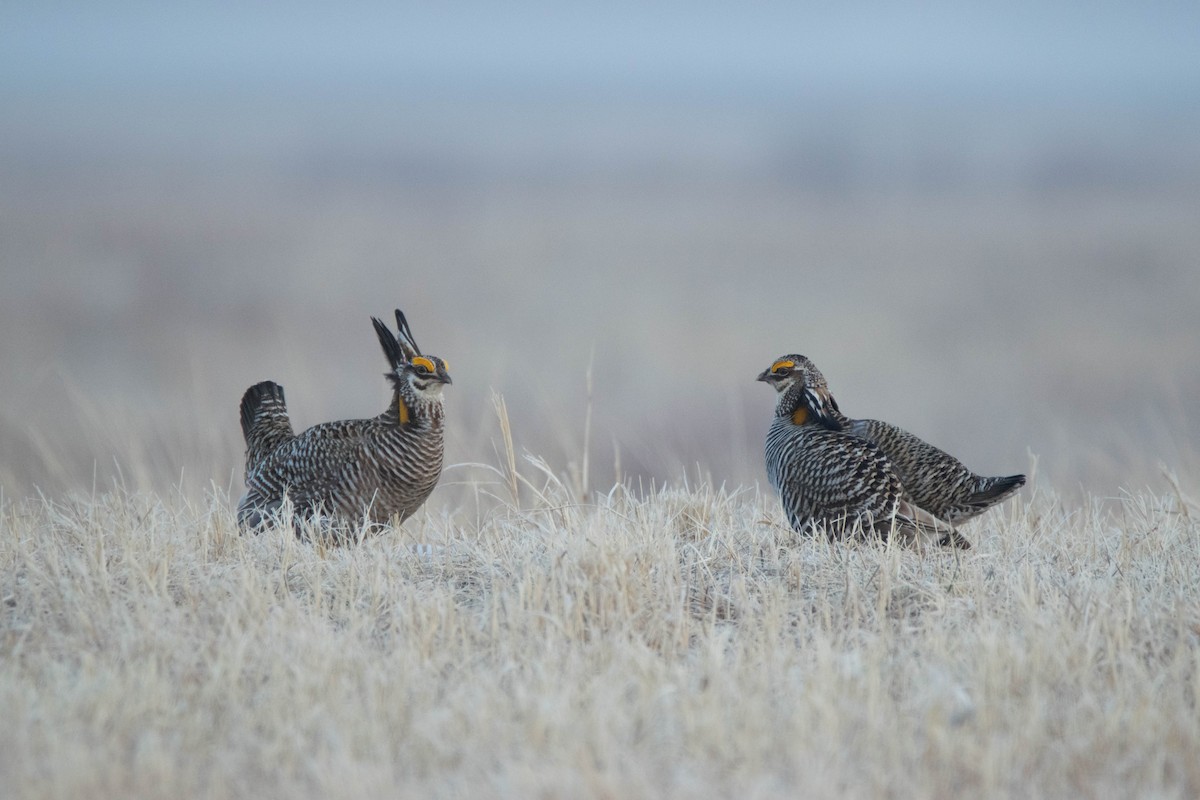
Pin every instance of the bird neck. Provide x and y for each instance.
(791, 401)
(804, 407)
(407, 409)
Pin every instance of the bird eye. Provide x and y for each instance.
(781, 370)
(422, 365)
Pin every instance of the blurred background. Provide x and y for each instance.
(982, 221)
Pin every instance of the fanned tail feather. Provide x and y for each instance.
(265, 421)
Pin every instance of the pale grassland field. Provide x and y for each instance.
(542, 640)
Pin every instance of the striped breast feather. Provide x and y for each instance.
(833, 473)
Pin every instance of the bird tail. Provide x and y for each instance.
(265, 421)
(993, 490)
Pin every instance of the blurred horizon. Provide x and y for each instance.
(980, 222)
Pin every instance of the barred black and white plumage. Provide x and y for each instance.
(350, 471)
(829, 478)
(937, 481)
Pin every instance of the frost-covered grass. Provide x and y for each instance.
(676, 642)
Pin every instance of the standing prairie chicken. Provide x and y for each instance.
(353, 470)
(831, 479)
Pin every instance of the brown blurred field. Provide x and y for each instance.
(1008, 281)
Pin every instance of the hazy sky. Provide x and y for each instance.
(1031, 48)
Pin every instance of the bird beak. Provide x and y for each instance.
(765, 375)
(444, 376)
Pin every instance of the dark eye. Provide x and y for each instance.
(783, 370)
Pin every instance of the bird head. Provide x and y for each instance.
(424, 375)
(803, 392)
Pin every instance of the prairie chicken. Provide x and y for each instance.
(829, 478)
(353, 470)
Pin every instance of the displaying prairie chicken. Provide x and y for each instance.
(831, 479)
(353, 470)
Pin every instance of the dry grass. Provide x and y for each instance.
(673, 642)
